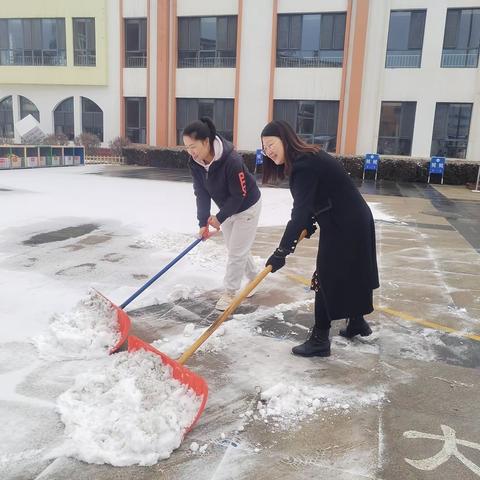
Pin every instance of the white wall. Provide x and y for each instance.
(426, 85)
(205, 82)
(134, 8)
(134, 82)
(187, 8)
(313, 6)
(255, 58)
(307, 83)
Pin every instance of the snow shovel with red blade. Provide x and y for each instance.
(123, 320)
(182, 373)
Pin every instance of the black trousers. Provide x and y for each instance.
(323, 320)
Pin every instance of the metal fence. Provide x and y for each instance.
(104, 159)
(207, 62)
(136, 61)
(33, 57)
(403, 61)
(310, 62)
(85, 60)
(459, 60)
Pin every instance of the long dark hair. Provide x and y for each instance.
(293, 146)
(201, 129)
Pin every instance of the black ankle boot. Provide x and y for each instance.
(318, 345)
(356, 326)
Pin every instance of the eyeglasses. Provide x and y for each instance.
(268, 148)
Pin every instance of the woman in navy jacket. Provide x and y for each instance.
(219, 174)
(346, 268)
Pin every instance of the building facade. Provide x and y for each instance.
(397, 77)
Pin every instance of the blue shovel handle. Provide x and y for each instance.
(161, 272)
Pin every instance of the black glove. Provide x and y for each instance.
(277, 260)
(311, 229)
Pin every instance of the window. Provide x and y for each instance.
(461, 42)
(84, 42)
(136, 119)
(6, 118)
(451, 129)
(311, 40)
(28, 108)
(219, 110)
(63, 119)
(38, 41)
(405, 39)
(207, 42)
(92, 118)
(314, 121)
(136, 42)
(396, 128)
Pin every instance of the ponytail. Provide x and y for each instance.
(201, 130)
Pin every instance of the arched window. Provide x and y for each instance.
(63, 118)
(92, 118)
(6, 118)
(28, 108)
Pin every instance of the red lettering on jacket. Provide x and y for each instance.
(243, 183)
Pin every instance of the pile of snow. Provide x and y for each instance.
(287, 405)
(134, 412)
(90, 330)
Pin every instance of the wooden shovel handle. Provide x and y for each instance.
(231, 308)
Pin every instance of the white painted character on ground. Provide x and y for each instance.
(449, 450)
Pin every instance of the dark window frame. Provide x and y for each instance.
(446, 145)
(221, 110)
(6, 117)
(223, 50)
(330, 51)
(136, 57)
(92, 118)
(305, 115)
(64, 118)
(454, 56)
(410, 57)
(136, 132)
(27, 44)
(86, 56)
(22, 103)
(395, 144)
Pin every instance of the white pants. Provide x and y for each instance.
(239, 232)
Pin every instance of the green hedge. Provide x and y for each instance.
(400, 169)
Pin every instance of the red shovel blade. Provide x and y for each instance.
(123, 322)
(179, 372)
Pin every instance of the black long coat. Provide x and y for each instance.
(346, 262)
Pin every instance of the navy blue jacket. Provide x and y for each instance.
(227, 182)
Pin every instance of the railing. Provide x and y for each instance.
(310, 62)
(104, 160)
(136, 60)
(85, 60)
(207, 59)
(460, 60)
(395, 60)
(33, 58)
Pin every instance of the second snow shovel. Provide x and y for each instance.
(123, 320)
(182, 373)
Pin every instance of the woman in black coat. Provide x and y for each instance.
(324, 194)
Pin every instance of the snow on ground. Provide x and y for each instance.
(137, 227)
(89, 330)
(132, 412)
